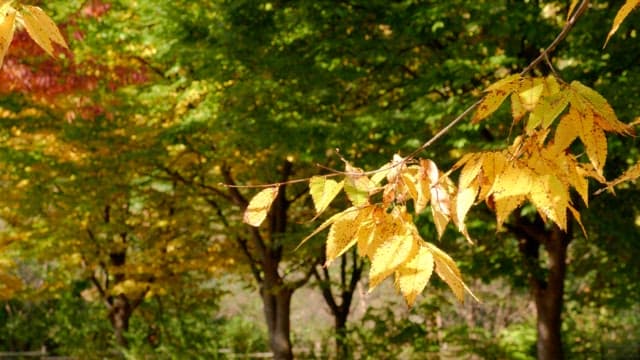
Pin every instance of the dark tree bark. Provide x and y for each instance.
(546, 284)
(349, 278)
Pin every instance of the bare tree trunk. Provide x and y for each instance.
(546, 284)
(277, 308)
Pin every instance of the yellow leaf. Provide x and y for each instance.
(448, 271)
(409, 183)
(412, 276)
(493, 164)
(606, 118)
(423, 187)
(620, 16)
(7, 27)
(517, 109)
(513, 181)
(550, 108)
(495, 95)
(259, 206)
(576, 216)
(366, 234)
(470, 171)
(41, 28)
(327, 223)
(390, 254)
(551, 197)
(381, 173)
(342, 234)
(357, 186)
(594, 140)
(464, 200)
(530, 92)
(323, 191)
(567, 130)
(504, 206)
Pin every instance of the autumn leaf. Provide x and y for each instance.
(412, 276)
(41, 28)
(389, 254)
(330, 221)
(357, 186)
(323, 191)
(588, 99)
(342, 234)
(530, 92)
(7, 27)
(448, 271)
(495, 96)
(628, 6)
(259, 206)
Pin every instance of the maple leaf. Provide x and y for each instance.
(259, 206)
(628, 6)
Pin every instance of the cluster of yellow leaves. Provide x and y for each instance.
(38, 24)
(538, 167)
(379, 223)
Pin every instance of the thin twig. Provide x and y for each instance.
(565, 31)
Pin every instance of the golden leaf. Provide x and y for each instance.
(323, 191)
(628, 6)
(549, 109)
(512, 181)
(567, 130)
(423, 187)
(389, 254)
(412, 276)
(327, 223)
(504, 206)
(493, 164)
(259, 206)
(464, 200)
(41, 28)
(7, 27)
(366, 234)
(530, 91)
(342, 234)
(517, 109)
(606, 118)
(470, 171)
(357, 186)
(594, 140)
(495, 95)
(448, 271)
(551, 197)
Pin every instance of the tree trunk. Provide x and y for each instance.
(546, 284)
(549, 298)
(277, 308)
(119, 315)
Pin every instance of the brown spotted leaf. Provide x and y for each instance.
(412, 276)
